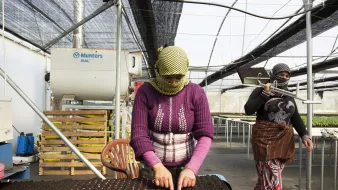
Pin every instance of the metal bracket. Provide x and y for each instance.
(307, 4)
(105, 1)
(311, 102)
(287, 93)
(117, 2)
(5, 99)
(255, 80)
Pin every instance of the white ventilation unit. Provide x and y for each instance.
(90, 74)
(135, 63)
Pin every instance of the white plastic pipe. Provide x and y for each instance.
(3, 44)
(78, 16)
(308, 6)
(118, 68)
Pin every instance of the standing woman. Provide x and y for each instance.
(169, 116)
(272, 134)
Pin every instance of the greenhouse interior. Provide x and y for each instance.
(169, 94)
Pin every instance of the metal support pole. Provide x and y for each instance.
(219, 124)
(118, 68)
(220, 110)
(3, 44)
(89, 17)
(232, 122)
(238, 126)
(322, 167)
(248, 151)
(220, 103)
(308, 6)
(78, 16)
(206, 82)
(225, 128)
(228, 123)
(313, 92)
(51, 125)
(300, 163)
(335, 166)
(243, 124)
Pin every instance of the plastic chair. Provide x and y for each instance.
(119, 157)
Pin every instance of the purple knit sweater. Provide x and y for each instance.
(187, 111)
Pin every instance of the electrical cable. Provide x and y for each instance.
(219, 30)
(332, 50)
(243, 38)
(266, 26)
(135, 39)
(242, 11)
(280, 27)
(16, 129)
(318, 58)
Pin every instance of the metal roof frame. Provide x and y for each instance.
(322, 19)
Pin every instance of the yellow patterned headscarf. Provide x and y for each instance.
(172, 60)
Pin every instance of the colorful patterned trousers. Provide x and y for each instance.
(269, 174)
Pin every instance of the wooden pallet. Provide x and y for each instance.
(86, 129)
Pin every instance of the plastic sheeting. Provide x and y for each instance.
(157, 22)
(39, 22)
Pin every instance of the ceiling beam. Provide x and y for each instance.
(233, 88)
(318, 67)
(321, 80)
(317, 87)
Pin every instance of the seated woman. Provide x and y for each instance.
(169, 115)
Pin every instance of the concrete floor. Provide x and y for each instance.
(240, 172)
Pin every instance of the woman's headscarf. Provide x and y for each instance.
(172, 60)
(281, 82)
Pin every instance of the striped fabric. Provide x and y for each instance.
(149, 115)
(173, 148)
(272, 141)
(269, 174)
(266, 93)
(271, 94)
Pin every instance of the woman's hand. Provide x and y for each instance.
(267, 87)
(162, 176)
(187, 178)
(308, 143)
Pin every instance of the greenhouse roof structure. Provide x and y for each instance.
(234, 39)
(217, 40)
(40, 22)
